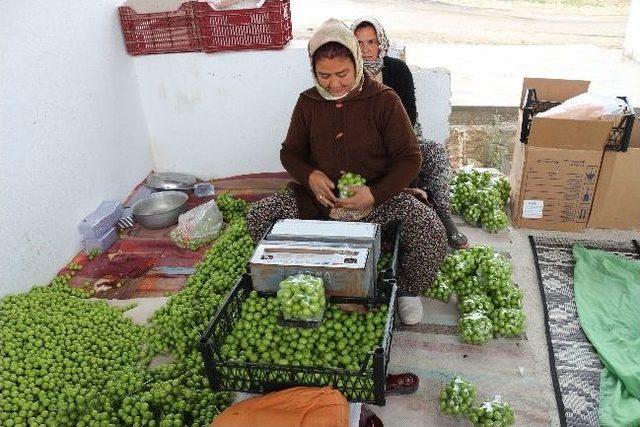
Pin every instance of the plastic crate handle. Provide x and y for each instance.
(529, 111)
(216, 5)
(625, 127)
(240, 18)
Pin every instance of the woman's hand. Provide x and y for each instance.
(419, 194)
(362, 198)
(322, 188)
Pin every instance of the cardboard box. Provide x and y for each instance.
(617, 200)
(554, 175)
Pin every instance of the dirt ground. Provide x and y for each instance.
(488, 46)
(477, 21)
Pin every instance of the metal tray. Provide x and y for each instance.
(171, 181)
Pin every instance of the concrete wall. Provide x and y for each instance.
(222, 114)
(72, 131)
(433, 100)
(632, 37)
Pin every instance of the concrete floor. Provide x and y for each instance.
(517, 369)
(521, 375)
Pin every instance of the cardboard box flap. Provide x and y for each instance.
(634, 142)
(553, 89)
(617, 200)
(515, 174)
(569, 134)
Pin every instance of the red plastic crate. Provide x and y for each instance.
(267, 27)
(160, 32)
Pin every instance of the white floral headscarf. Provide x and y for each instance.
(333, 30)
(373, 67)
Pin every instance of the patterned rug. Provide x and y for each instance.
(145, 263)
(575, 366)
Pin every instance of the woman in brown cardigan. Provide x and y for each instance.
(348, 122)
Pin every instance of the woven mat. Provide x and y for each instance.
(575, 366)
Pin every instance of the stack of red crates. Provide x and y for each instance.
(196, 26)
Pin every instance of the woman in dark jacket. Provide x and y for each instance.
(348, 122)
(434, 172)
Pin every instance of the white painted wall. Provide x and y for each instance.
(81, 122)
(222, 114)
(72, 131)
(632, 36)
(433, 101)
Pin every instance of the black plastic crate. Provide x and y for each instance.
(366, 385)
(391, 237)
(618, 138)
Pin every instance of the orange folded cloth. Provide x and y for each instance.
(293, 407)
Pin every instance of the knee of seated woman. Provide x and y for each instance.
(421, 216)
(412, 204)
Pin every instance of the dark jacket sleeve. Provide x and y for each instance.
(397, 75)
(402, 149)
(294, 154)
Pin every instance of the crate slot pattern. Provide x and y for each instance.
(268, 27)
(162, 32)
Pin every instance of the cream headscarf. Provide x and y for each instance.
(373, 67)
(333, 30)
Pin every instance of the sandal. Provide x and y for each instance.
(458, 241)
(402, 384)
(369, 419)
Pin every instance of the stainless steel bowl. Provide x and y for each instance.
(160, 210)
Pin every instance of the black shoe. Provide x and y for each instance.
(369, 419)
(458, 240)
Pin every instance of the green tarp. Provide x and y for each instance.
(607, 290)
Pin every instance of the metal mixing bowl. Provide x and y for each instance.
(160, 210)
